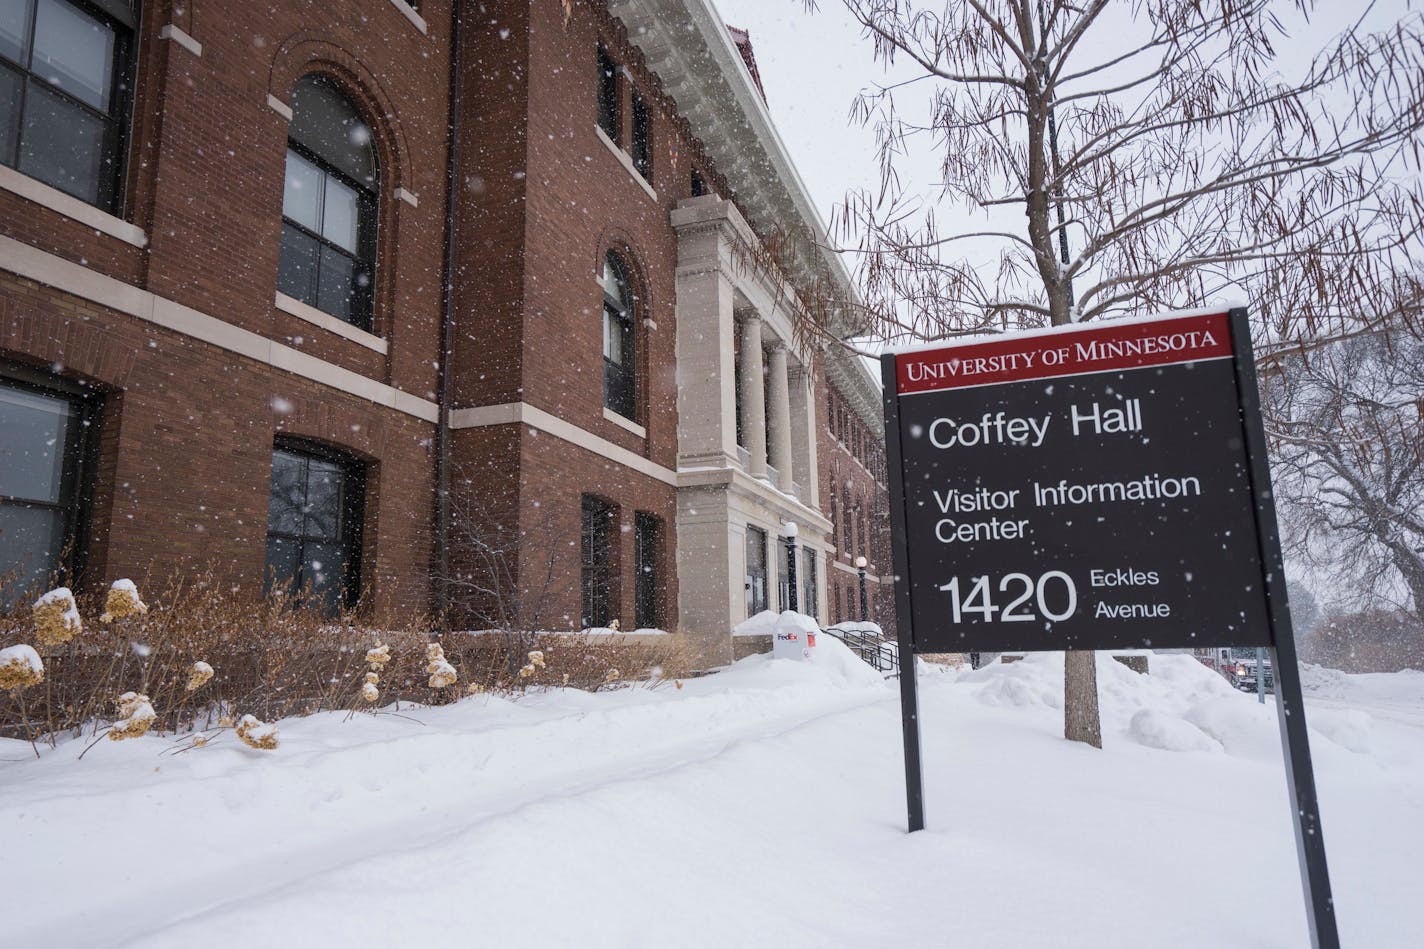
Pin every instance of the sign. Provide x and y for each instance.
(1085, 488)
(1093, 486)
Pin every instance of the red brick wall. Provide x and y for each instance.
(850, 460)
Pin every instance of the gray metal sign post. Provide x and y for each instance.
(1093, 487)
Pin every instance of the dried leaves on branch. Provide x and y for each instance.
(1089, 160)
(1346, 423)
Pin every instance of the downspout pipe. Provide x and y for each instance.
(447, 324)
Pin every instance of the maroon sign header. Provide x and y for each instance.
(1080, 349)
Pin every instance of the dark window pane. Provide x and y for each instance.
(62, 144)
(326, 124)
(607, 94)
(31, 540)
(642, 138)
(322, 574)
(34, 432)
(324, 483)
(11, 84)
(74, 52)
(14, 29)
(618, 392)
(337, 284)
(301, 192)
(645, 543)
(288, 494)
(282, 559)
(296, 272)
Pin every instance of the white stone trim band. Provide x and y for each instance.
(409, 13)
(68, 277)
(280, 107)
(71, 207)
(171, 32)
(625, 160)
(305, 311)
(522, 413)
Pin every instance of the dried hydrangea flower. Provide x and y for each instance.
(122, 601)
(136, 716)
(612, 674)
(256, 734)
(198, 675)
(536, 658)
(20, 667)
(526, 671)
(474, 688)
(377, 657)
(442, 674)
(369, 690)
(56, 617)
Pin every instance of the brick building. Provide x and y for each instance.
(233, 332)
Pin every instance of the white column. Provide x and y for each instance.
(803, 435)
(781, 419)
(753, 395)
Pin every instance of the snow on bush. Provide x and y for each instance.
(198, 675)
(136, 716)
(256, 733)
(122, 601)
(56, 617)
(1167, 732)
(370, 690)
(20, 667)
(442, 674)
(377, 657)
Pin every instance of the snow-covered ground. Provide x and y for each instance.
(761, 806)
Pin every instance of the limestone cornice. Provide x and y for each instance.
(686, 44)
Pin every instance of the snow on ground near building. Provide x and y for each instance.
(761, 806)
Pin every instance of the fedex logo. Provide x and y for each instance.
(787, 637)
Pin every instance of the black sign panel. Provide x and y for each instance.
(1085, 488)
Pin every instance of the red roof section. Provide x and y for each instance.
(743, 41)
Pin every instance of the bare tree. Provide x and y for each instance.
(505, 574)
(1160, 159)
(1346, 423)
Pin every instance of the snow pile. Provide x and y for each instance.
(791, 768)
(759, 625)
(1168, 732)
(843, 668)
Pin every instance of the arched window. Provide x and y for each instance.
(329, 205)
(619, 310)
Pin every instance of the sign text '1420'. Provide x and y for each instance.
(1054, 601)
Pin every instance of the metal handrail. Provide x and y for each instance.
(874, 649)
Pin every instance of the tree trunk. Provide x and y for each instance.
(1080, 698)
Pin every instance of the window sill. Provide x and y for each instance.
(622, 422)
(71, 207)
(625, 160)
(326, 321)
(409, 13)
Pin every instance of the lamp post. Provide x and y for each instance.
(788, 530)
(860, 565)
